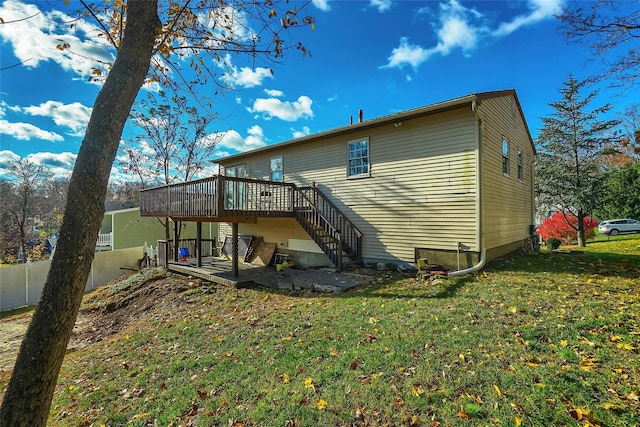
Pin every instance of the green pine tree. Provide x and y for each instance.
(570, 147)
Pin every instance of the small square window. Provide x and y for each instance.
(505, 156)
(358, 158)
(520, 169)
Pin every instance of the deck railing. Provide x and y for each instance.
(105, 239)
(218, 196)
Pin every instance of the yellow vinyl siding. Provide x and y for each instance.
(422, 189)
(272, 230)
(507, 201)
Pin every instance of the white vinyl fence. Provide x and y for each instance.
(22, 284)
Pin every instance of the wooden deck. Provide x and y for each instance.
(242, 200)
(219, 199)
(220, 271)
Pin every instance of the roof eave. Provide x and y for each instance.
(391, 118)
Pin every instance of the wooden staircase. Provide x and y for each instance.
(332, 231)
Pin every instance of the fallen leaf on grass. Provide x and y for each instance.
(321, 404)
(463, 414)
(498, 391)
(417, 390)
(624, 346)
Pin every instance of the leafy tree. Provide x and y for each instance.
(563, 226)
(621, 193)
(138, 30)
(175, 144)
(570, 151)
(10, 236)
(54, 199)
(608, 26)
(22, 201)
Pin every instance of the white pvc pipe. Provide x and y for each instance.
(478, 266)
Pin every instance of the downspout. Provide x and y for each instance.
(479, 206)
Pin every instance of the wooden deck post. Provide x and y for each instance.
(176, 236)
(234, 249)
(199, 244)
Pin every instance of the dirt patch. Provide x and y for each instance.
(112, 308)
(11, 332)
(104, 312)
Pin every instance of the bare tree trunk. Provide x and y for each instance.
(28, 398)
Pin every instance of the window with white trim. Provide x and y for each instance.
(277, 171)
(505, 156)
(520, 169)
(358, 158)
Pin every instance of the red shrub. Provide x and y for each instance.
(556, 226)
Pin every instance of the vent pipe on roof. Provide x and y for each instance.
(360, 116)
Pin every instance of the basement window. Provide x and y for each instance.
(505, 156)
(358, 158)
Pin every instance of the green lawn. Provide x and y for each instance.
(550, 339)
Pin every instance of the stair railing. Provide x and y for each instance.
(334, 233)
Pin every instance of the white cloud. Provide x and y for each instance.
(34, 36)
(232, 142)
(323, 5)
(75, 116)
(461, 28)
(6, 158)
(59, 165)
(246, 77)
(27, 131)
(300, 133)
(274, 93)
(381, 5)
(539, 10)
(406, 53)
(284, 110)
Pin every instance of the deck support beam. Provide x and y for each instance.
(234, 249)
(176, 235)
(199, 244)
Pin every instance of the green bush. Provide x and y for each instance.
(553, 243)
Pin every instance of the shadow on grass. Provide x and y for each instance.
(411, 289)
(570, 261)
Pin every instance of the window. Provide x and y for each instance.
(520, 170)
(505, 156)
(276, 169)
(236, 171)
(235, 191)
(358, 158)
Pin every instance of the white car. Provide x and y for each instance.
(613, 227)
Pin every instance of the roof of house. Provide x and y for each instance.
(452, 104)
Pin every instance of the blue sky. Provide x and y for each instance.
(380, 56)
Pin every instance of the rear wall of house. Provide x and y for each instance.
(507, 198)
(421, 192)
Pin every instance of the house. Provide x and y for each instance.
(125, 228)
(451, 182)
